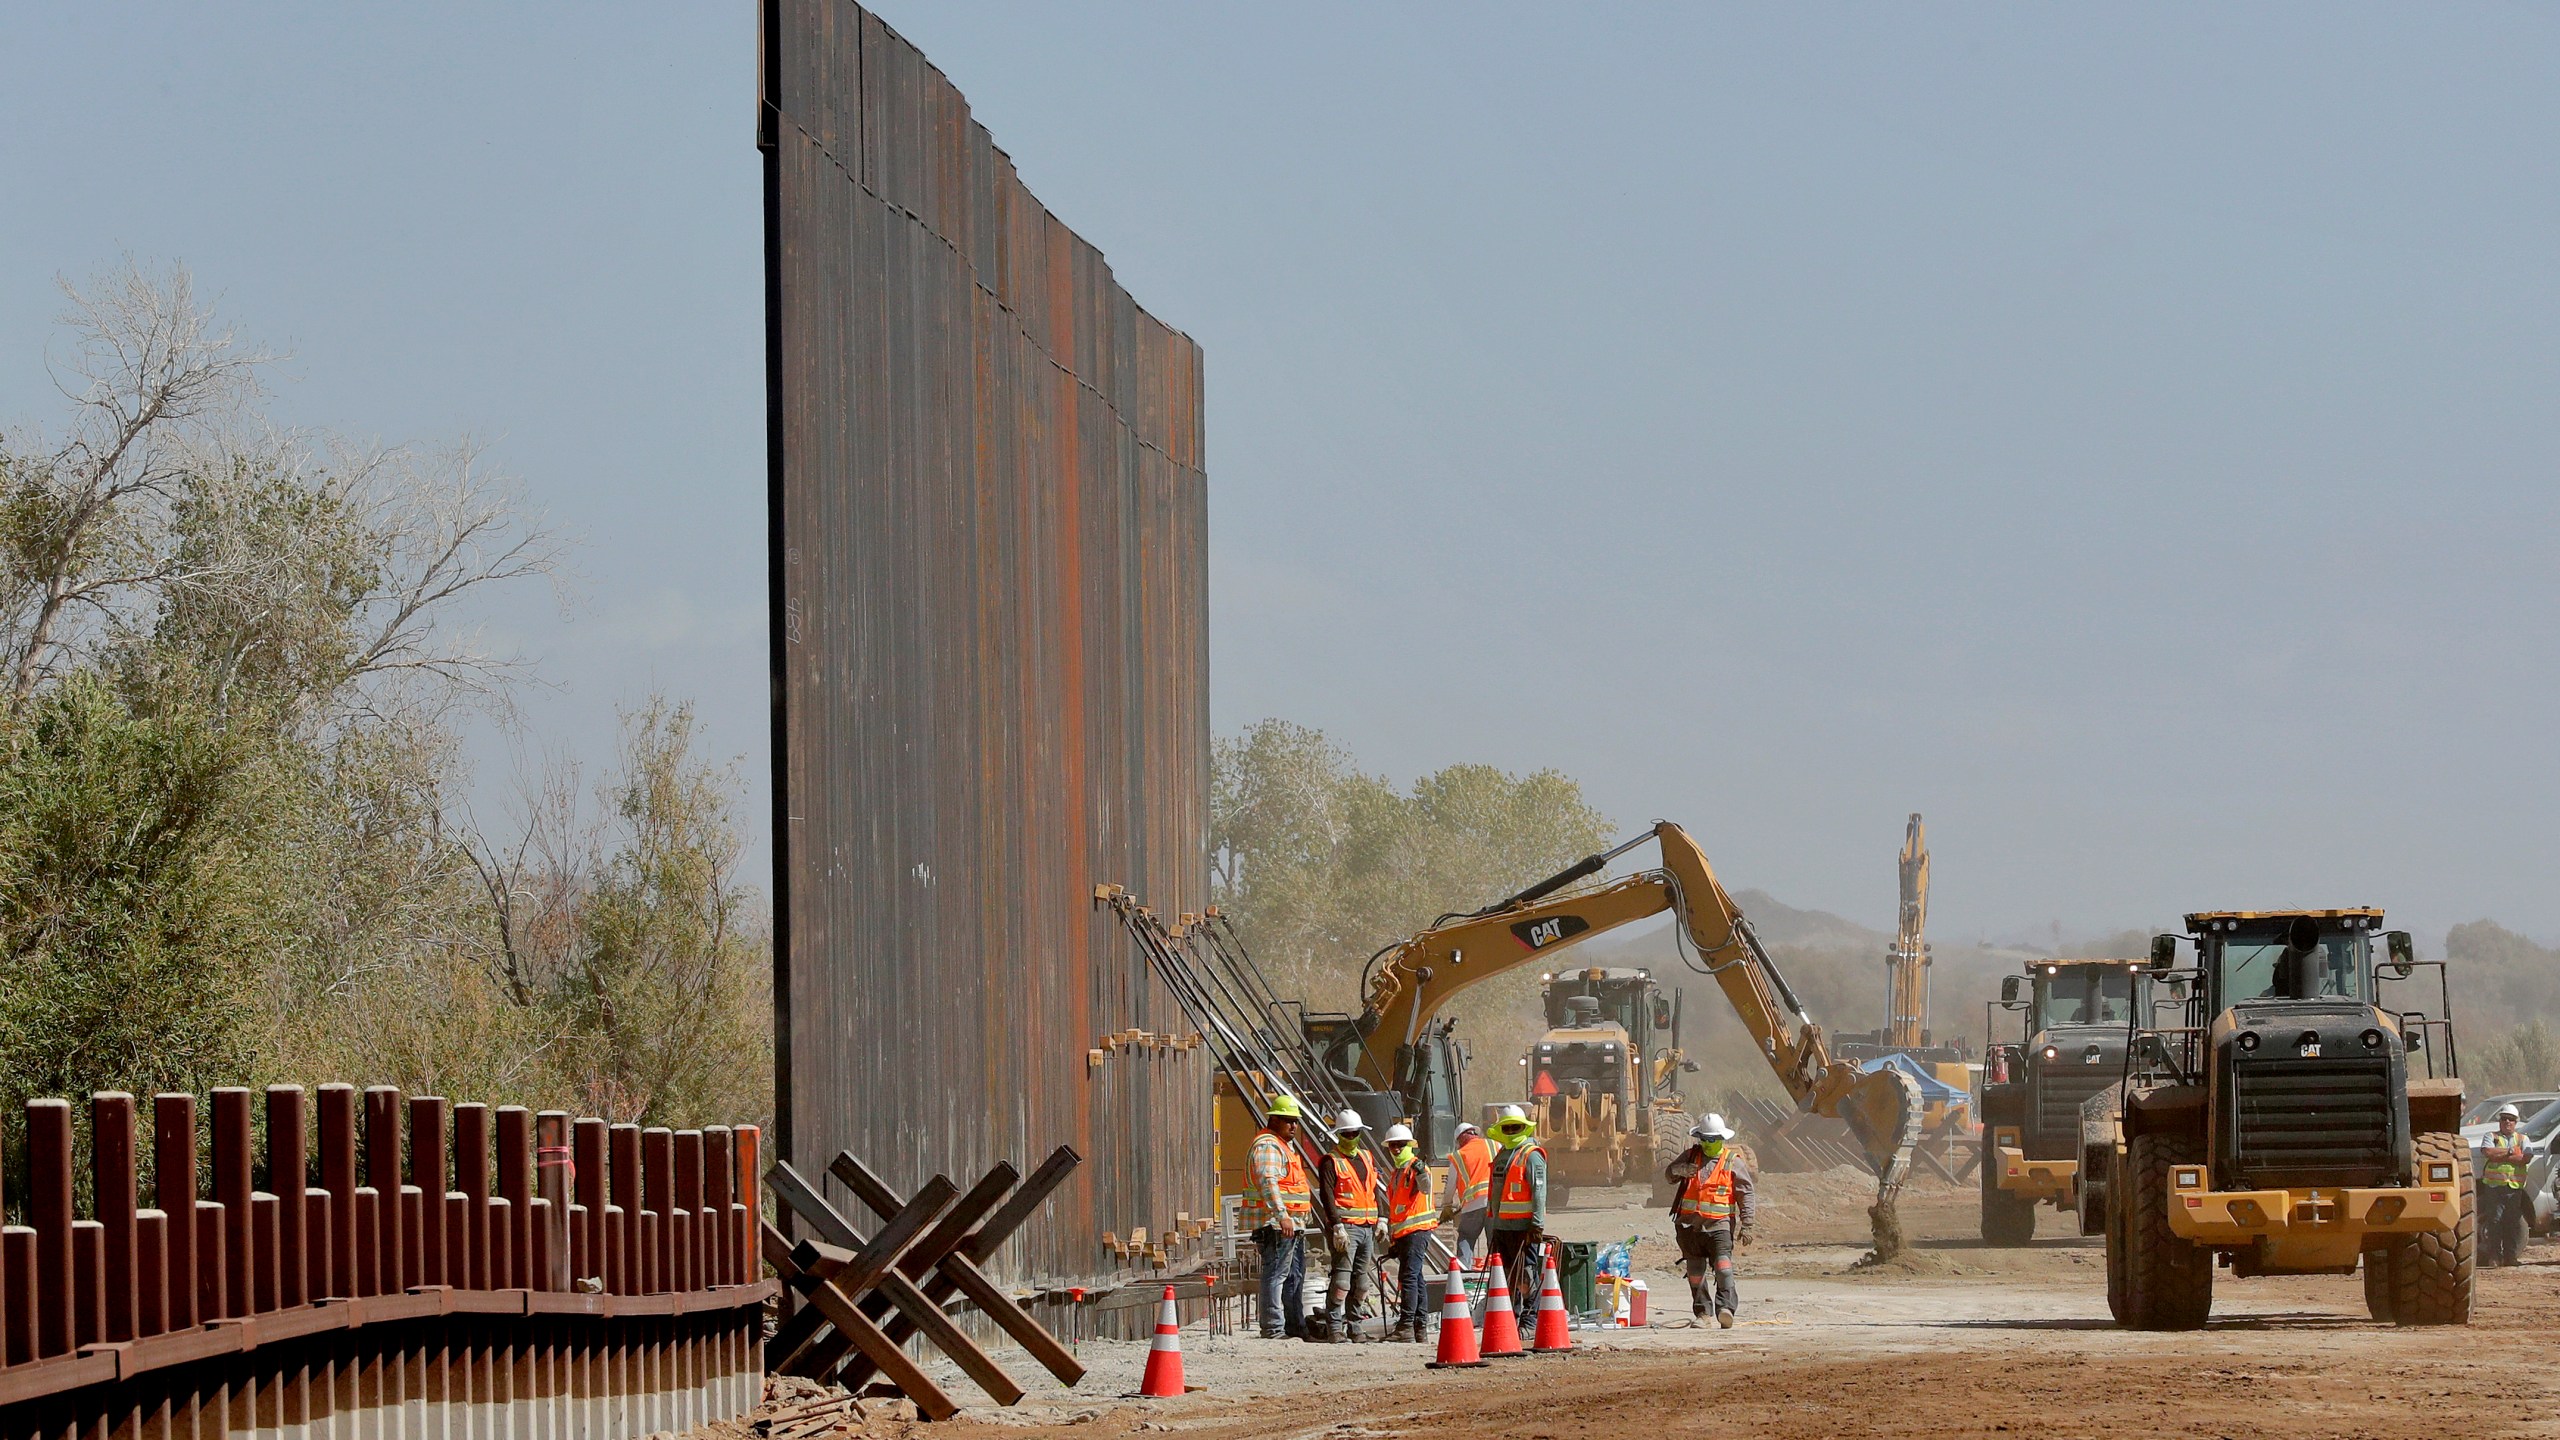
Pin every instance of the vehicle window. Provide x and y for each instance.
(2265, 969)
(2536, 1122)
(2482, 1110)
(2085, 995)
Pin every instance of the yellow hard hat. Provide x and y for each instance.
(1285, 1107)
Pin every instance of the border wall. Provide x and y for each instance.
(989, 657)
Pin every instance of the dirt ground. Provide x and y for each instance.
(1954, 1339)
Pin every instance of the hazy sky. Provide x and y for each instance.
(2128, 437)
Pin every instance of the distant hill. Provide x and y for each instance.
(1836, 967)
(2501, 981)
(1782, 924)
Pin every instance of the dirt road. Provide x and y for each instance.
(1954, 1340)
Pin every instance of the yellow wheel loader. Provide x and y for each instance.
(2074, 1018)
(2301, 1122)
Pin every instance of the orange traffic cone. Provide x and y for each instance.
(1164, 1358)
(1501, 1327)
(1457, 1332)
(1554, 1336)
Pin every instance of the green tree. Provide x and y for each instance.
(143, 878)
(2524, 1058)
(1321, 864)
(232, 841)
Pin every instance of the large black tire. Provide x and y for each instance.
(2377, 1283)
(2007, 1220)
(2168, 1282)
(2431, 1275)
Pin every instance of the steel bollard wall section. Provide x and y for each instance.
(295, 1301)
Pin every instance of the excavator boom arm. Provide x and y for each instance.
(1421, 975)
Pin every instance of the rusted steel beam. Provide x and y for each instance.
(156, 1324)
(930, 1399)
(988, 584)
(825, 1351)
(956, 1272)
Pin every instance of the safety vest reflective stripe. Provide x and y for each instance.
(1474, 1166)
(1519, 1197)
(2505, 1161)
(1355, 1189)
(1409, 1207)
(1297, 1196)
(1709, 1194)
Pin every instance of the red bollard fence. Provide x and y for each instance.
(543, 1277)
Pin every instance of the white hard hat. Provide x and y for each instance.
(1350, 1121)
(1514, 1112)
(1398, 1133)
(1469, 1127)
(1711, 1126)
(2509, 1112)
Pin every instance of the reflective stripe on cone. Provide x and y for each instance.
(1501, 1327)
(1554, 1336)
(1457, 1331)
(1163, 1378)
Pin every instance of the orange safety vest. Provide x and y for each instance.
(1708, 1195)
(1474, 1166)
(1297, 1196)
(1519, 1197)
(1355, 1189)
(1409, 1207)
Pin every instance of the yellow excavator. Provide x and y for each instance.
(1393, 1045)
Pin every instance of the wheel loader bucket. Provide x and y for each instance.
(1884, 1111)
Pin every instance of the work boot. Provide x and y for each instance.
(1724, 1317)
(1402, 1334)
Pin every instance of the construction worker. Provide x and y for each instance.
(1349, 1195)
(1278, 1210)
(1471, 1175)
(1712, 1214)
(1412, 1218)
(2502, 1203)
(1518, 1222)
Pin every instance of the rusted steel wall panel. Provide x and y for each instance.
(989, 531)
(330, 1314)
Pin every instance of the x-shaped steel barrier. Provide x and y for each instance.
(866, 1298)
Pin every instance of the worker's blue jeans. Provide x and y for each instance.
(1284, 1281)
(1413, 1269)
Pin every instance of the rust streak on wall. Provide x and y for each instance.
(990, 663)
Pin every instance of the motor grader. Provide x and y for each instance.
(2073, 1019)
(1604, 1078)
(2300, 1122)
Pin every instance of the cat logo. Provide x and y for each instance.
(1539, 934)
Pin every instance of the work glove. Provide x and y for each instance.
(1742, 1238)
(1339, 1237)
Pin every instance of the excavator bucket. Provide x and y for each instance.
(1884, 1112)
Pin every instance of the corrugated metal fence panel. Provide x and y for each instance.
(990, 529)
